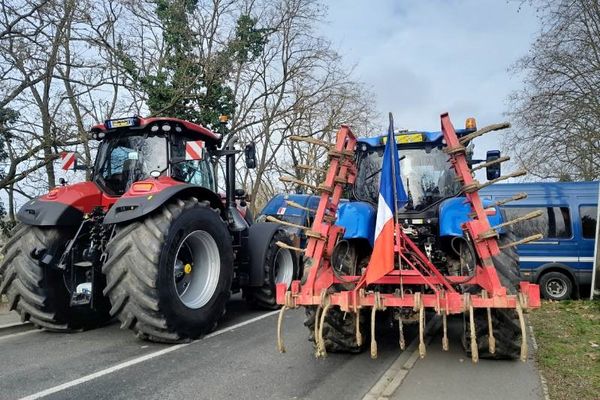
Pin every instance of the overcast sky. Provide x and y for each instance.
(422, 58)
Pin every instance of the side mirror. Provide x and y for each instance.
(493, 171)
(250, 153)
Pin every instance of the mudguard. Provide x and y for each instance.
(49, 213)
(63, 205)
(455, 212)
(136, 205)
(358, 219)
(259, 238)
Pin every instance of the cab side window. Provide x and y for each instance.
(588, 215)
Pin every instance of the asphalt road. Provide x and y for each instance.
(239, 361)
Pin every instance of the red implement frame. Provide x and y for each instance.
(429, 287)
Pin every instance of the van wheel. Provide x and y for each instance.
(556, 286)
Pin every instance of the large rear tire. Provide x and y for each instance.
(39, 293)
(169, 275)
(339, 328)
(505, 321)
(280, 266)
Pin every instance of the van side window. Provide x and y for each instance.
(588, 216)
(554, 223)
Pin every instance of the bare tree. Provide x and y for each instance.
(557, 113)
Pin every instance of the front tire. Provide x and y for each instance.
(555, 285)
(280, 266)
(39, 293)
(169, 275)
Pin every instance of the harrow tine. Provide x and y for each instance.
(483, 131)
(445, 345)
(280, 345)
(308, 167)
(523, 330)
(289, 179)
(491, 338)
(377, 306)
(489, 163)
(278, 221)
(311, 140)
(298, 206)
(401, 333)
(515, 174)
(422, 350)
(528, 216)
(528, 239)
(359, 338)
(473, 332)
(287, 246)
(518, 196)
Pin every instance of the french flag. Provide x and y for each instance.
(382, 258)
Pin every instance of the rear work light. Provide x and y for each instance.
(470, 123)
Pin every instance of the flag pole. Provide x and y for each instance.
(393, 147)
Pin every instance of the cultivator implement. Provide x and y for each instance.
(415, 284)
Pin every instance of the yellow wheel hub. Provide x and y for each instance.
(187, 268)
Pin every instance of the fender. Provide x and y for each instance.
(148, 195)
(259, 238)
(64, 205)
(358, 220)
(455, 212)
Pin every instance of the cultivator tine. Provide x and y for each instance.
(298, 206)
(280, 345)
(321, 350)
(421, 308)
(518, 196)
(490, 163)
(526, 217)
(483, 131)
(445, 345)
(491, 338)
(502, 178)
(401, 333)
(288, 247)
(278, 221)
(377, 306)
(311, 140)
(523, 330)
(359, 338)
(289, 179)
(308, 167)
(472, 331)
(528, 239)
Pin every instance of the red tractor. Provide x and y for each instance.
(149, 240)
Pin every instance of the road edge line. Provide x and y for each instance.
(137, 360)
(543, 382)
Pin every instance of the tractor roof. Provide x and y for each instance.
(163, 124)
(411, 137)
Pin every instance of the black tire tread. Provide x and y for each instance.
(132, 274)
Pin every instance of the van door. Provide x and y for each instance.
(587, 224)
(558, 247)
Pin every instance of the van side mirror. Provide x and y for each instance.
(493, 171)
(250, 154)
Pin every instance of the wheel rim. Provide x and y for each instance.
(284, 267)
(196, 269)
(556, 287)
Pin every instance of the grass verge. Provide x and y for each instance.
(568, 336)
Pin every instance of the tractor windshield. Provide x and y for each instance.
(123, 160)
(426, 175)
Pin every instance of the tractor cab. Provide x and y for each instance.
(134, 149)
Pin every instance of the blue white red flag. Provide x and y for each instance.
(382, 258)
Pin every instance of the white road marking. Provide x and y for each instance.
(138, 360)
(391, 379)
(18, 334)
